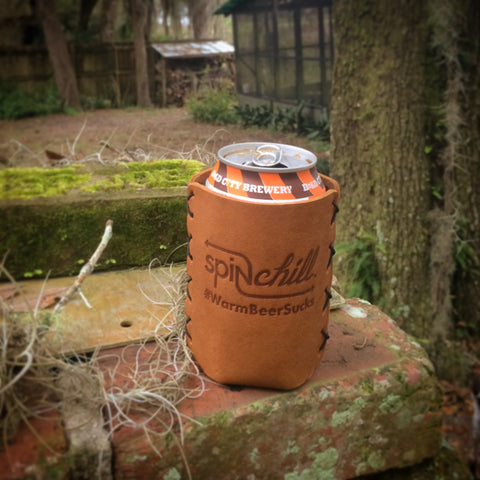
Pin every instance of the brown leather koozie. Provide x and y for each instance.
(259, 285)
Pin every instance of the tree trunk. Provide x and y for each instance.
(86, 9)
(201, 18)
(378, 147)
(58, 52)
(140, 27)
(107, 20)
(176, 19)
(171, 18)
(166, 9)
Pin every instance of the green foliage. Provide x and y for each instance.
(36, 272)
(19, 102)
(361, 265)
(213, 107)
(467, 259)
(282, 119)
(220, 107)
(467, 271)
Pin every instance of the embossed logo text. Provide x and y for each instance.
(294, 272)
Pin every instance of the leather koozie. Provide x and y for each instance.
(259, 285)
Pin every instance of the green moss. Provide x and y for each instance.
(292, 448)
(391, 404)
(339, 418)
(367, 384)
(39, 182)
(172, 474)
(148, 175)
(323, 467)
(254, 455)
(404, 418)
(54, 236)
(27, 183)
(376, 460)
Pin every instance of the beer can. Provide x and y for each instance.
(265, 172)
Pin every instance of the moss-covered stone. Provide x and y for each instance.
(28, 183)
(330, 428)
(60, 227)
(40, 182)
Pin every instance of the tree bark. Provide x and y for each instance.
(378, 147)
(139, 10)
(201, 18)
(107, 20)
(58, 52)
(86, 9)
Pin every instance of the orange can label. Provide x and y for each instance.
(266, 172)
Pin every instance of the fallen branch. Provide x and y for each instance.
(87, 268)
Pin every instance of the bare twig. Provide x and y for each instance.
(87, 268)
(71, 148)
(360, 346)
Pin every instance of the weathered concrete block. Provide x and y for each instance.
(373, 404)
(53, 219)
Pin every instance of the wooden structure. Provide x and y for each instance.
(283, 51)
(103, 71)
(181, 67)
(107, 70)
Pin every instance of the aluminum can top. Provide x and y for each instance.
(266, 172)
(267, 157)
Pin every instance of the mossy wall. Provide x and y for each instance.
(58, 233)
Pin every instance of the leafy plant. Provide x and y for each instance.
(214, 106)
(467, 259)
(36, 272)
(361, 265)
(282, 119)
(19, 102)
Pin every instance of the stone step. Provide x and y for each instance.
(372, 405)
(117, 308)
(53, 219)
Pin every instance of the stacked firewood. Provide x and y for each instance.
(186, 78)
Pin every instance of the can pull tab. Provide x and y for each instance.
(267, 155)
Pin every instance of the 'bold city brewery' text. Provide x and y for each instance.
(251, 187)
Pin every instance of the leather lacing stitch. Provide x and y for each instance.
(332, 253)
(329, 296)
(190, 213)
(326, 336)
(335, 211)
(328, 293)
(189, 279)
(188, 248)
(187, 333)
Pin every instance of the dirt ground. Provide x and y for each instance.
(121, 135)
(109, 136)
